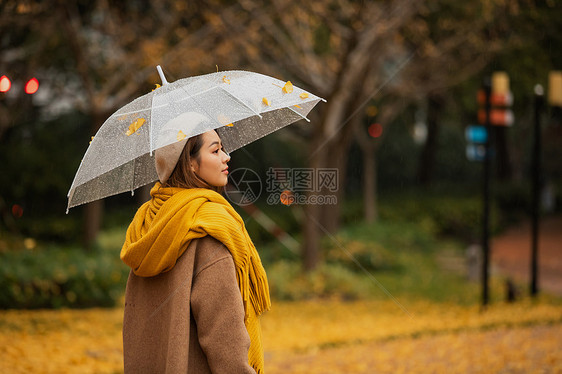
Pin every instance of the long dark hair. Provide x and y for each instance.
(183, 176)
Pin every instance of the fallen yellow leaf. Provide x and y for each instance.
(288, 87)
(303, 95)
(298, 106)
(230, 125)
(181, 135)
(157, 87)
(226, 80)
(133, 127)
(266, 101)
(91, 140)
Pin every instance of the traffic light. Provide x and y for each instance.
(374, 129)
(555, 88)
(501, 99)
(31, 86)
(5, 84)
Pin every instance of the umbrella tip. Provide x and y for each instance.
(161, 73)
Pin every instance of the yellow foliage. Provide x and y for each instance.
(288, 87)
(266, 101)
(327, 336)
(133, 127)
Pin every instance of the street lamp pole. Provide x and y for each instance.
(539, 103)
(486, 193)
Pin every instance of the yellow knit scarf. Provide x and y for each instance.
(163, 228)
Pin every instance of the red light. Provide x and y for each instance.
(31, 86)
(17, 211)
(5, 84)
(375, 130)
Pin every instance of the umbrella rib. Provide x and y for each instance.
(158, 106)
(242, 102)
(192, 97)
(303, 117)
(189, 96)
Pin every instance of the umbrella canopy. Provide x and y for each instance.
(242, 106)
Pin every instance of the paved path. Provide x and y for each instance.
(511, 254)
(515, 350)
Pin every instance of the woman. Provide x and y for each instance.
(197, 285)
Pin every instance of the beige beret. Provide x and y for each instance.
(169, 148)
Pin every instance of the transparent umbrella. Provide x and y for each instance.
(242, 106)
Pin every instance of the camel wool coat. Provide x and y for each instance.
(189, 319)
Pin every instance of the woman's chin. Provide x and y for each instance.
(223, 182)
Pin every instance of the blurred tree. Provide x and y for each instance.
(408, 50)
(96, 56)
(328, 47)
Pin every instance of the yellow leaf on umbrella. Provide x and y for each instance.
(226, 80)
(91, 140)
(133, 127)
(297, 106)
(181, 135)
(157, 87)
(288, 87)
(230, 125)
(303, 95)
(266, 101)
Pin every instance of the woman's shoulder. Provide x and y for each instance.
(210, 251)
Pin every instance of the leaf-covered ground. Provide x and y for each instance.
(317, 337)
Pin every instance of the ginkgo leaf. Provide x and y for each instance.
(230, 125)
(181, 135)
(266, 101)
(303, 95)
(91, 140)
(288, 87)
(226, 80)
(157, 87)
(133, 127)
(297, 106)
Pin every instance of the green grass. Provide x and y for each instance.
(395, 257)
(379, 261)
(53, 276)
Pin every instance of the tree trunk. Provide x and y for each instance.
(93, 212)
(427, 159)
(312, 232)
(370, 185)
(337, 158)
